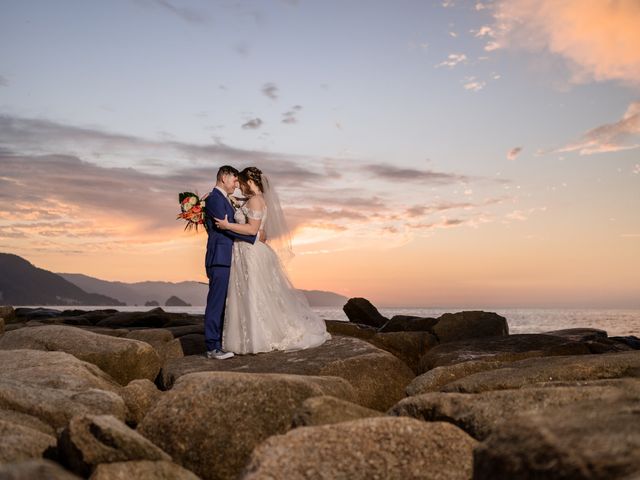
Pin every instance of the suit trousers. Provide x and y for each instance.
(216, 299)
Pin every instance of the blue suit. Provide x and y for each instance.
(218, 263)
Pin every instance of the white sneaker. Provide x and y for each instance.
(219, 354)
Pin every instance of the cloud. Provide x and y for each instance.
(185, 13)
(270, 90)
(621, 135)
(636, 169)
(513, 153)
(474, 85)
(597, 39)
(452, 60)
(3, 81)
(390, 172)
(291, 115)
(252, 124)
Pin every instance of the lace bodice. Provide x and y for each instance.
(244, 213)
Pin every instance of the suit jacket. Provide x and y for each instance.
(220, 242)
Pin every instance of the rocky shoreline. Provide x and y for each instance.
(108, 395)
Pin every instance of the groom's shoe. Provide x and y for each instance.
(219, 354)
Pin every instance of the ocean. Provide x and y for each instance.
(615, 322)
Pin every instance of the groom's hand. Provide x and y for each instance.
(262, 236)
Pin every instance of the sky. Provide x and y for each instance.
(427, 153)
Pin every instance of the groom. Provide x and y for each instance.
(218, 259)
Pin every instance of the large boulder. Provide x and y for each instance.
(389, 448)
(378, 377)
(590, 439)
(327, 409)
(409, 323)
(480, 414)
(210, 422)
(54, 386)
(349, 329)
(7, 313)
(579, 334)
(123, 359)
(139, 396)
(155, 318)
(161, 339)
(470, 324)
(361, 310)
(35, 470)
(90, 440)
(504, 348)
(26, 420)
(550, 369)
(1, 326)
(193, 344)
(18, 443)
(142, 469)
(407, 346)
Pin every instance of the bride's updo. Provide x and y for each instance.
(251, 173)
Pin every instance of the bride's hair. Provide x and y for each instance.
(254, 174)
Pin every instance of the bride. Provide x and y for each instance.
(264, 312)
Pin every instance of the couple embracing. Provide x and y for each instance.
(251, 305)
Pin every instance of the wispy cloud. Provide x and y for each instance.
(621, 135)
(473, 84)
(598, 39)
(291, 116)
(185, 13)
(270, 90)
(513, 153)
(385, 171)
(252, 124)
(452, 60)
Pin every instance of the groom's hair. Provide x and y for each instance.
(226, 170)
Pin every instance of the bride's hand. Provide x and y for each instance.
(222, 224)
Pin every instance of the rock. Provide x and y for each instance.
(193, 344)
(90, 440)
(210, 422)
(178, 332)
(349, 329)
(140, 396)
(383, 448)
(27, 313)
(35, 470)
(588, 439)
(630, 340)
(8, 313)
(1, 326)
(18, 442)
(470, 324)
(161, 340)
(579, 334)
(326, 409)
(407, 346)
(480, 414)
(550, 369)
(26, 420)
(123, 359)
(155, 318)
(143, 469)
(378, 377)
(409, 323)
(360, 310)
(509, 348)
(54, 386)
(174, 301)
(151, 303)
(112, 332)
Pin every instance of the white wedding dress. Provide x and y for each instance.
(264, 312)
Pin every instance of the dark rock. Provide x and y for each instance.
(378, 377)
(407, 346)
(35, 470)
(507, 348)
(155, 318)
(1, 326)
(360, 310)
(178, 332)
(210, 422)
(550, 369)
(482, 413)
(382, 448)
(590, 439)
(409, 323)
(142, 469)
(123, 359)
(630, 340)
(18, 442)
(470, 324)
(26, 313)
(151, 303)
(325, 409)
(350, 329)
(193, 344)
(579, 334)
(174, 301)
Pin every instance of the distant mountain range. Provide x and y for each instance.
(22, 283)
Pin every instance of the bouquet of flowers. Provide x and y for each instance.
(192, 210)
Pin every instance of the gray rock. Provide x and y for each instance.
(140, 396)
(382, 448)
(161, 340)
(378, 377)
(508, 348)
(361, 310)
(480, 414)
(325, 409)
(123, 359)
(550, 369)
(470, 324)
(591, 439)
(54, 386)
(143, 469)
(210, 422)
(18, 443)
(35, 470)
(90, 440)
(409, 323)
